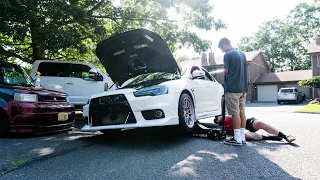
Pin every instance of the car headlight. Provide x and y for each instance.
(25, 97)
(151, 91)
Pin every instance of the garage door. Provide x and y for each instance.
(267, 93)
(304, 90)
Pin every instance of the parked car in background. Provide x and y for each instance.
(24, 109)
(152, 90)
(289, 95)
(79, 80)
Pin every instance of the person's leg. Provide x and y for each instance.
(253, 136)
(257, 137)
(242, 104)
(232, 104)
(268, 128)
(257, 125)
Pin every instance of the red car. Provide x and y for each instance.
(24, 109)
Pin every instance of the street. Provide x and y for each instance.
(158, 153)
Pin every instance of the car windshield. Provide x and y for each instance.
(14, 75)
(287, 90)
(150, 79)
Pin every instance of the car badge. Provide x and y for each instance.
(54, 99)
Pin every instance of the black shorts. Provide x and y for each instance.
(249, 125)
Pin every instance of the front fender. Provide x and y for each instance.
(180, 86)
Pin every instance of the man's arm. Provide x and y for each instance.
(225, 64)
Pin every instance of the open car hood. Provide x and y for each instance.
(133, 53)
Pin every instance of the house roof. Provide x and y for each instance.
(219, 59)
(314, 48)
(287, 76)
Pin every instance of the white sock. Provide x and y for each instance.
(242, 133)
(237, 135)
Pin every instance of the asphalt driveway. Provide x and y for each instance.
(158, 153)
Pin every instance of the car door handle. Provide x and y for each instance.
(69, 83)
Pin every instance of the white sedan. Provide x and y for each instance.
(151, 89)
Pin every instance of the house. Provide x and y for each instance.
(256, 65)
(267, 85)
(314, 52)
(263, 85)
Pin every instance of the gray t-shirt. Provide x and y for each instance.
(237, 78)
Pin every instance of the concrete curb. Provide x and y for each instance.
(307, 112)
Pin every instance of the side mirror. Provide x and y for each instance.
(93, 74)
(197, 74)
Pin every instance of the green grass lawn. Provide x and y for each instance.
(310, 108)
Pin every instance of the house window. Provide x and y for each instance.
(318, 60)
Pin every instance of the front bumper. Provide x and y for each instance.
(39, 117)
(168, 103)
(286, 98)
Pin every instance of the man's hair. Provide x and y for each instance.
(216, 121)
(224, 41)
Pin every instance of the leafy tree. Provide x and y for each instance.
(268, 40)
(285, 42)
(55, 29)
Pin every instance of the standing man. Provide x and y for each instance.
(236, 88)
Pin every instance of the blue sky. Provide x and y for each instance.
(243, 18)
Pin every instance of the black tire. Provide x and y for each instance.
(279, 102)
(184, 126)
(4, 124)
(223, 109)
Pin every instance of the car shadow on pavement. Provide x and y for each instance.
(152, 137)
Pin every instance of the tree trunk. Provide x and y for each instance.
(272, 68)
(37, 44)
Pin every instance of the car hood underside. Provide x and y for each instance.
(133, 53)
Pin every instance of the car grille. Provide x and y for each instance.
(51, 99)
(111, 110)
(54, 110)
(107, 100)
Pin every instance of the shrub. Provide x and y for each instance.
(316, 102)
(313, 82)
